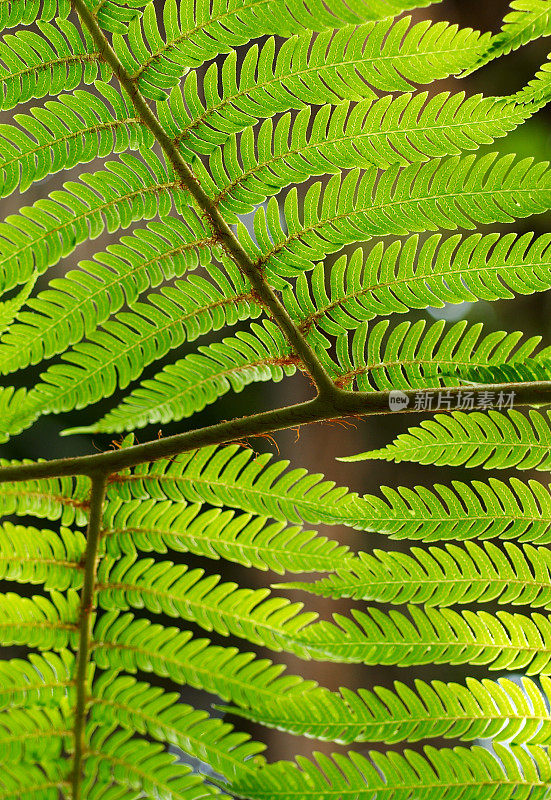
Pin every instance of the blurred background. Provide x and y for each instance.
(318, 445)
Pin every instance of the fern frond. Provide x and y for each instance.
(513, 510)
(516, 372)
(75, 305)
(64, 499)
(123, 193)
(29, 555)
(76, 129)
(118, 353)
(239, 478)
(44, 680)
(402, 130)
(114, 15)
(529, 20)
(187, 386)
(49, 624)
(15, 416)
(18, 12)
(33, 734)
(411, 357)
(147, 710)
(172, 589)
(33, 781)
(59, 58)
(433, 636)
(408, 275)
(115, 758)
(444, 774)
(219, 26)
(10, 309)
(348, 64)
(122, 642)
(443, 576)
(501, 710)
(441, 194)
(158, 526)
(492, 440)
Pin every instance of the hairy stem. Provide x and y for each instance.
(221, 230)
(97, 496)
(341, 404)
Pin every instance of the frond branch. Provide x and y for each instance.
(220, 228)
(97, 496)
(343, 403)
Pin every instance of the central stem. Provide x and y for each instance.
(97, 497)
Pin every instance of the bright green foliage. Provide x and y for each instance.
(347, 65)
(413, 356)
(236, 477)
(447, 772)
(244, 539)
(528, 20)
(394, 279)
(500, 709)
(404, 130)
(180, 118)
(496, 441)
(444, 576)
(34, 64)
(462, 192)
(73, 131)
(508, 510)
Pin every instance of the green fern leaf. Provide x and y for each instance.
(41, 556)
(443, 576)
(9, 309)
(34, 735)
(441, 774)
(436, 636)
(243, 539)
(119, 352)
(123, 642)
(17, 12)
(59, 58)
(52, 228)
(218, 26)
(529, 20)
(74, 130)
(446, 194)
(34, 782)
(326, 68)
(13, 412)
(44, 680)
(64, 499)
(135, 764)
(238, 478)
(187, 386)
(147, 710)
(513, 510)
(78, 303)
(412, 358)
(492, 440)
(174, 590)
(402, 130)
(524, 371)
(502, 710)
(410, 275)
(49, 624)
